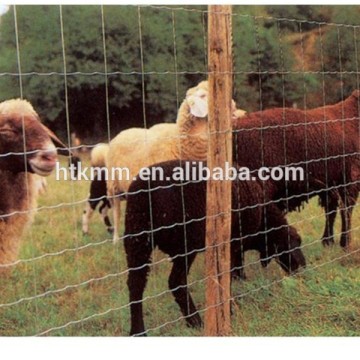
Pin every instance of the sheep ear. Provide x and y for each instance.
(62, 148)
(233, 106)
(199, 107)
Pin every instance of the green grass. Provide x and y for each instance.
(86, 293)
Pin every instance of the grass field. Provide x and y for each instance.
(72, 284)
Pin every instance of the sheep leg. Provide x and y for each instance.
(138, 259)
(348, 197)
(104, 208)
(178, 286)
(117, 214)
(137, 280)
(88, 211)
(330, 215)
(346, 214)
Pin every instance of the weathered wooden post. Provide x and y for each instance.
(218, 222)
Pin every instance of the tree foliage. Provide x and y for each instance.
(340, 47)
(151, 55)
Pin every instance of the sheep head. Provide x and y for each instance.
(197, 99)
(291, 258)
(286, 251)
(21, 130)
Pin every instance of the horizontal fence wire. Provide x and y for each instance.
(233, 131)
(235, 14)
(303, 271)
(184, 183)
(167, 259)
(106, 241)
(42, 271)
(167, 72)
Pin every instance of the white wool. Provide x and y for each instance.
(99, 154)
(18, 106)
(137, 148)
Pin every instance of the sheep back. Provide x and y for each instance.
(281, 136)
(99, 154)
(171, 204)
(171, 214)
(137, 148)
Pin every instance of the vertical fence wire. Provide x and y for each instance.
(183, 205)
(107, 100)
(67, 117)
(18, 56)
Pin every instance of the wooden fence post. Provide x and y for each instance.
(218, 222)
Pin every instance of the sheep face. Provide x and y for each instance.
(286, 251)
(197, 99)
(41, 155)
(291, 258)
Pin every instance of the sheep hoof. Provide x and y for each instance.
(327, 241)
(116, 240)
(194, 321)
(345, 242)
(110, 230)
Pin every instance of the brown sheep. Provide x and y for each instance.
(21, 129)
(323, 141)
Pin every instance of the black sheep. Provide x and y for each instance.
(171, 216)
(323, 141)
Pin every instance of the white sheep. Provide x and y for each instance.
(99, 154)
(193, 125)
(138, 148)
(17, 171)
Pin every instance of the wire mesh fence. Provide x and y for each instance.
(133, 68)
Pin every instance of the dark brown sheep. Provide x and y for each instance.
(26, 148)
(171, 216)
(323, 141)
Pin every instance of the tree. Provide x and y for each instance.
(41, 53)
(340, 47)
(264, 62)
(153, 54)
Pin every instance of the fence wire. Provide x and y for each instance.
(64, 282)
